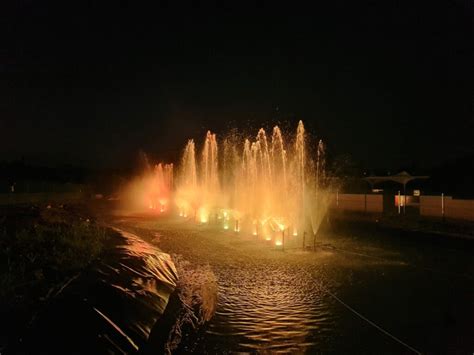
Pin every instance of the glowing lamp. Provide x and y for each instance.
(203, 216)
(255, 228)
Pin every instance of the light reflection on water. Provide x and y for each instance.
(278, 308)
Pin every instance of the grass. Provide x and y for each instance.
(38, 197)
(40, 248)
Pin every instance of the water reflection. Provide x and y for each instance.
(276, 308)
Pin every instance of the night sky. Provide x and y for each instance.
(387, 82)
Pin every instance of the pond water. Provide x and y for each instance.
(363, 290)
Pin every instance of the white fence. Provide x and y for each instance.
(446, 206)
(358, 202)
(433, 206)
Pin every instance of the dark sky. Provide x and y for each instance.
(388, 82)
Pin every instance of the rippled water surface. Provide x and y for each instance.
(331, 300)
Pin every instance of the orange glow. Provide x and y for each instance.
(203, 215)
(255, 228)
(151, 189)
(263, 185)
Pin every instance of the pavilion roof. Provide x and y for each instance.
(401, 178)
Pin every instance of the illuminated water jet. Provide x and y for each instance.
(151, 189)
(264, 185)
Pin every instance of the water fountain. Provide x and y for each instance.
(150, 189)
(265, 187)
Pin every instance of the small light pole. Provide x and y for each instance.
(404, 196)
(399, 202)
